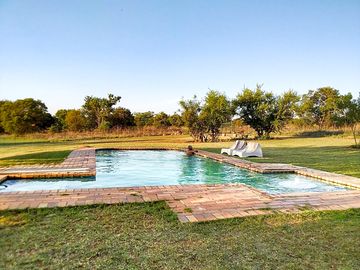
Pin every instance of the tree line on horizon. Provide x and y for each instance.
(263, 111)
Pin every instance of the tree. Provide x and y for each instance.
(144, 119)
(176, 120)
(318, 106)
(75, 120)
(122, 117)
(190, 110)
(287, 108)
(59, 121)
(25, 116)
(61, 115)
(3, 108)
(98, 111)
(348, 113)
(161, 120)
(216, 111)
(263, 111)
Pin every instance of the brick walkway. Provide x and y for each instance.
(335, 178)
(81, 162)
(192, 203)
(249, 165)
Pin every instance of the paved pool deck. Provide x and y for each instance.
(192, 203)
(80, 163)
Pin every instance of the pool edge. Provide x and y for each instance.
(82, 163)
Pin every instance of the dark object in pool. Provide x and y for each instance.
(190, 151)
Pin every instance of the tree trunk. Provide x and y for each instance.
(214, 135)
(353, 129)
(259, 132)
(267, 135)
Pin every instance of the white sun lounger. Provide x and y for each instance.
(238, 145)
(252, 149)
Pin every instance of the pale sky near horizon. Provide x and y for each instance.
(153, 53)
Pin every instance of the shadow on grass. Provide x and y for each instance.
(36, 158)
(319, 133)
(14, 143)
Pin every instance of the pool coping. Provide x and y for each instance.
(79, 163)
(265, 168)
(82, 163)
(205, 201)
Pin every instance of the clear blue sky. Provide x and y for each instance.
(152, 53)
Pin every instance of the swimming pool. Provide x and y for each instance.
(115, 168)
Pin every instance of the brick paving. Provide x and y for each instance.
(249, 165)
(81, 162)
(334, 178)
(192, 203)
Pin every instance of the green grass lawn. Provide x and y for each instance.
(332, 154)
(148, 236)
(329, 154)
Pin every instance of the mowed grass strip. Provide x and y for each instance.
(148, 236)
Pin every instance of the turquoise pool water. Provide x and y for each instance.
(149, 168)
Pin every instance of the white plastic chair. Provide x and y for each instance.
(252, 149)
(238, 145)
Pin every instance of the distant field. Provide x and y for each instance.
(332, 154)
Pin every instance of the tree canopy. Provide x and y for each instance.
(348, 113)
(24, 116)
(216, 111)
(75, 120)
(144, 119)
(161, 120)
(190, 111)
(122, 117)
(98, 111)
(319, 106)
(263, 111)
(204, 119)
